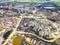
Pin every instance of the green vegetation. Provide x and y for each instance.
(31, 0)
(39, 1)
(27, 0)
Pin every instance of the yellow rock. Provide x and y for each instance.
(17, 40)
